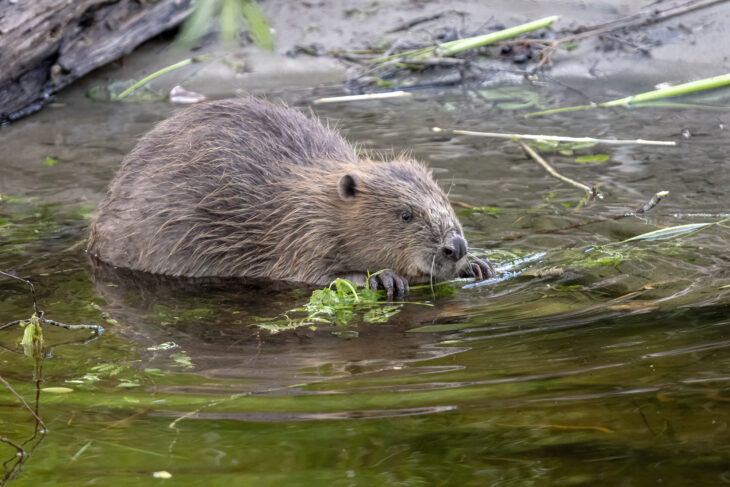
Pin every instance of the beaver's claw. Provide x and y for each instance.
(389, 280)
(479, 269)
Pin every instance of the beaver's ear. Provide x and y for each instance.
(347, 186)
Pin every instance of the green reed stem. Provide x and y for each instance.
(452, 47)
(153, 76)
(683, 89)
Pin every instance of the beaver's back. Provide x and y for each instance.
(211, 165)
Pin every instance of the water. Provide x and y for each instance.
(597, 363)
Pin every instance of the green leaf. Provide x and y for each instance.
(32, 340)
(182, 360)
(257, 25)
(485, 209)
(57, 390)
(592, 158)
(108, 369)
(381, 314)
(50, 161)
(198, 22)
(230, 19)
(565, 148)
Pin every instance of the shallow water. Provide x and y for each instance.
(599, 363)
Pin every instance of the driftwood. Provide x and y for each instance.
(47, 44)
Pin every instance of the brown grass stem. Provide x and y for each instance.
(591, 192)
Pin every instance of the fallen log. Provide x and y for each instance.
(47, 44)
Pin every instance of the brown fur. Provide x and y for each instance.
(244, 187)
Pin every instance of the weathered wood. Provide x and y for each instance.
(47, 44)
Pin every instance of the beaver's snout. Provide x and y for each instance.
(455, 249)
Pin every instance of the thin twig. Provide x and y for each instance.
(97, 328)
(9, 442)
(32, 290)
(649, 204)
(557, 138)
(38, 418)
(370, 96)
(592, 192)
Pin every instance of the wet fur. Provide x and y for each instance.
(244, 187)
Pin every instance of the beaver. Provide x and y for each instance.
(248, 188)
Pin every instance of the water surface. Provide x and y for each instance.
(599, 364)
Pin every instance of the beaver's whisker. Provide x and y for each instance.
(450, 186)
(433, 263)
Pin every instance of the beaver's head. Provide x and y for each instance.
(396, 217)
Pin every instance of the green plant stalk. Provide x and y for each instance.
(153, 76)
(672, 232)
(683, 89)
(453, 47)
(347, 283)
(674, 104)
(669, 232)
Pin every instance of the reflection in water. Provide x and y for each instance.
(600, 367)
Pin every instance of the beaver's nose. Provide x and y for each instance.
(456, 249)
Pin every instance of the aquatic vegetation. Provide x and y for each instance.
(339, 304)
(233, 15)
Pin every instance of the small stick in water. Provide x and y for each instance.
(97, 328)
(649, 204)
(369, 96)
(557, 138)
(592, 192)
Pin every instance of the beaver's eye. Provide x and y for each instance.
(406, 216)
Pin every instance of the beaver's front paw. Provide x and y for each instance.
(389, 280)
(479, 269)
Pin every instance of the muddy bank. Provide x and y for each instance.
(318, 43)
